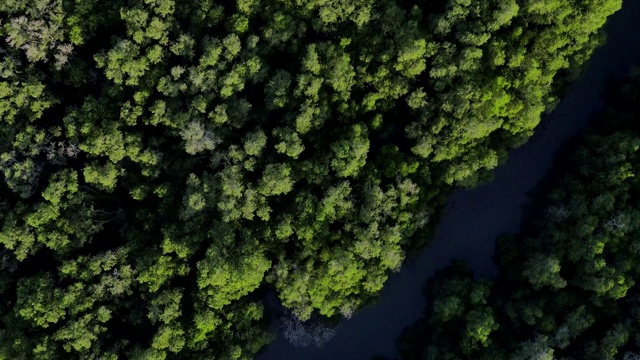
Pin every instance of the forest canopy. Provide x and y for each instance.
(568, 287)
(163, 160)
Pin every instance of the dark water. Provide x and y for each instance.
(476, 218)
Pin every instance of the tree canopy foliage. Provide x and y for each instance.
(164, 159)
(568, 289)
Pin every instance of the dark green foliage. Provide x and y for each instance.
(568, 290)
(163, 159)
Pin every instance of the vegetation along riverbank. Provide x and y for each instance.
(162, 160)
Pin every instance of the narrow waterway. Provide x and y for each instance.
(474, 219)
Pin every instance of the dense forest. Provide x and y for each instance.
(568, 285)
(163, 160)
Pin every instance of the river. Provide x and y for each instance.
(475, 218)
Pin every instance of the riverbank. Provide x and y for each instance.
(475, 218)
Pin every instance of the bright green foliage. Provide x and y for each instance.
(567, 289)
(276, 180)
(350, 154)
(162, 160)
(223, 281)
(103, 177)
